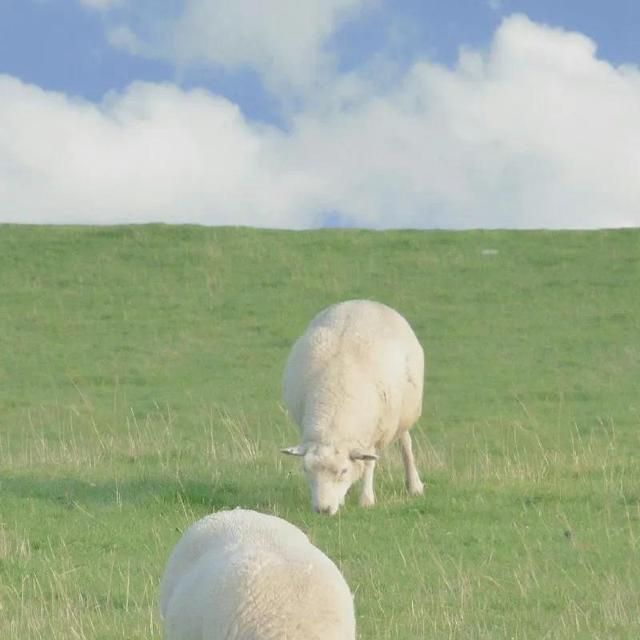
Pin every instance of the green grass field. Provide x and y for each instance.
(140, 377)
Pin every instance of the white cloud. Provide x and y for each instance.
(536, 132)
(152, 153)
(284, 40)
(102, 5)
(121, 37)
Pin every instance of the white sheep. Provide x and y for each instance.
(243, 575)
(353, 384)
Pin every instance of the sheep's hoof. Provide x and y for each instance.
(367, 501)
(416, 488)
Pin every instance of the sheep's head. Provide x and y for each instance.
(330, 471)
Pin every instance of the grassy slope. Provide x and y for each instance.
(140, 384)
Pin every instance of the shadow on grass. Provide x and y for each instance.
(250, 492)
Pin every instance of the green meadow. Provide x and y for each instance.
(140, 389)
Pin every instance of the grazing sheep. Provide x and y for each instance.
(353, 384)
(243, 575)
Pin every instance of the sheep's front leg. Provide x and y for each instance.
(368, 497)
(414, 484)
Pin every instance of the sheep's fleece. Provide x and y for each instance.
(244, 575)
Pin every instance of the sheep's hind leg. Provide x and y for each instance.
(414, 484)
(368, 497)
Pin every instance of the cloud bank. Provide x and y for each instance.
(535, 132)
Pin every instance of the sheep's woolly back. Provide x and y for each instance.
(355, 375)
(243, 575)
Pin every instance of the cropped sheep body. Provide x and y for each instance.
(243, 575)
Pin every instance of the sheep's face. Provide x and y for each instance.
(330, 472)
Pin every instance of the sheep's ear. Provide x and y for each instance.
(361, 455)
(298, 450)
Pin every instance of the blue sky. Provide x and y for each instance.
(353, 110)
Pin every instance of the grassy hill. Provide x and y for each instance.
(140, 377)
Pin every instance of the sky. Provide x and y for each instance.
(309, 113)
